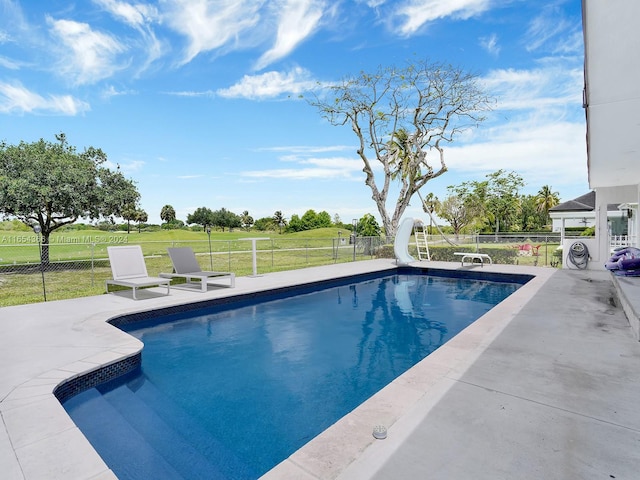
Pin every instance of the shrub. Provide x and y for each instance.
(498, 255)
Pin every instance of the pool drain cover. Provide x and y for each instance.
(379, 432)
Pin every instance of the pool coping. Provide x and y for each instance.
(47, 344)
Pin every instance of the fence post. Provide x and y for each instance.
(37, 229)
(93, 273)
(546, 249)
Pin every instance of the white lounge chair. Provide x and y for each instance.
(129, 270)
(185, 265)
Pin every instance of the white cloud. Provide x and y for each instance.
(542, 29)
(13, 20)
(302, 174)
(412, 15)
(211, 25)
(342, 163)
(553, 31)
(270, 85)
(344, 168)
(309, 149)
(490, 44)
(298, 19)
(15, 98)
(136, 15)
(126, 167)
(551, 85)
(543, 135)
(9, 64)
(140, 17)
(552, 153)
(87, 55)
(111, 91)
(206, 93)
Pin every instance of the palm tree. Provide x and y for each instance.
(546, 200)
(431, 204)
(141, 217)
(168, 214)
(246, 220)
(400, 149)
(279, 220)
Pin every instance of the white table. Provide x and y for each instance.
(253, 249)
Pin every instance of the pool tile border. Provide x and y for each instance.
(79, 384)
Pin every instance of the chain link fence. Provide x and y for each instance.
(76, 267)
(72, 269)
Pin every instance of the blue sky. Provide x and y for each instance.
(198, 101)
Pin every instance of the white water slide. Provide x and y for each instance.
(401, 243)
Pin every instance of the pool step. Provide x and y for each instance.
(170, 444)
(228, 464)
(117, 442)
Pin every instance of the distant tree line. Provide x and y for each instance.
(494, 205)
(224, 220)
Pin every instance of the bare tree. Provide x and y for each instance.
(401, 117)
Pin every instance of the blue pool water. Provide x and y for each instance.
(228, 393)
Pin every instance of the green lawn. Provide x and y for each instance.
(79, 263)
(79, 266)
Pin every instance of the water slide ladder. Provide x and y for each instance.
(420, 235)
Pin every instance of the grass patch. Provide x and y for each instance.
(79, 263)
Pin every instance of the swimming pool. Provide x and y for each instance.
(272, 372)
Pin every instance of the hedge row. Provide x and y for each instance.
(446, 254)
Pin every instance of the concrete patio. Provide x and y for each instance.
(546, 385)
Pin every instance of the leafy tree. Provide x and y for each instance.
(173, 225)
(545, 200)
(295, 224)
(168, 214)
(368, 226)
(223, 218)
(323, 220)
(457, 211)
(202, 216)
(264, 224)
(401, 116)
(246, 220)
(52, 185)
(531, 220)
(503, 198)
(309, 220)
(497, 200)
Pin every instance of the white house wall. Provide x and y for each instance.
(612, 100)
(612, 70)
(605, 196)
